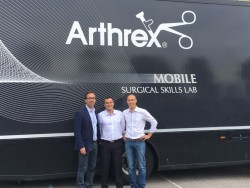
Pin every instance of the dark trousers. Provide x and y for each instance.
(86, 168)
(112, 151)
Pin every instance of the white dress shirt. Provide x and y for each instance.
(136, 121)
(94, 122)
(111, 125)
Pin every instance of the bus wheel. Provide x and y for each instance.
(149, 165)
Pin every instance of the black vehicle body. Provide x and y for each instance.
(193, 77)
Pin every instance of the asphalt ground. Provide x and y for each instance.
(223, 177)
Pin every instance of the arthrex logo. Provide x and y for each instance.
(139, 38)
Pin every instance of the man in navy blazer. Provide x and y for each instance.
(86, 131)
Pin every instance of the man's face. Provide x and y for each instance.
(90, 100)
(109, 104)
(131, 101)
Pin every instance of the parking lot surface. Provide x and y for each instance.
(223, 177)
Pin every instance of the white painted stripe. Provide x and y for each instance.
(54, 135)
(173, 183)
(51, 185)
(204, 129)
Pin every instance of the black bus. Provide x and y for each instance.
(188, 62)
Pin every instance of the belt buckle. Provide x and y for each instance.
(112, 141)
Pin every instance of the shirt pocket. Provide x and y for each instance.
(117, 121)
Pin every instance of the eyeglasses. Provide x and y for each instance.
(91, 98)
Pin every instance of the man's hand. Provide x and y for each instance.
(123, 137)
(146, 137)
(83, 151)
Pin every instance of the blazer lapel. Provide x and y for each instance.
(86, 113)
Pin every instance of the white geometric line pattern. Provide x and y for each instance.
(11, 70)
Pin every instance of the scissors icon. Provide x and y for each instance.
(167, 27)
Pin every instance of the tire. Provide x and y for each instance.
(149, 165)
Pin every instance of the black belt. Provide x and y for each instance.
(111, 141)
(135, 140)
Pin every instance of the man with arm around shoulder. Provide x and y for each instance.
(112, 126)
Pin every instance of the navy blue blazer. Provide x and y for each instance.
(83, 130)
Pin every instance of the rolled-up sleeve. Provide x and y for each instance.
(149, 118)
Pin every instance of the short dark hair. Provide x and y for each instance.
(109, 98)
(88, 92)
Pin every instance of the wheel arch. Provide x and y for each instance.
(155, 153)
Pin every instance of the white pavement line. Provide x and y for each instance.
(173, 183)
(51, 185)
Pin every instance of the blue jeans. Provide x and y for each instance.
(86, 168)
(135, 151)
